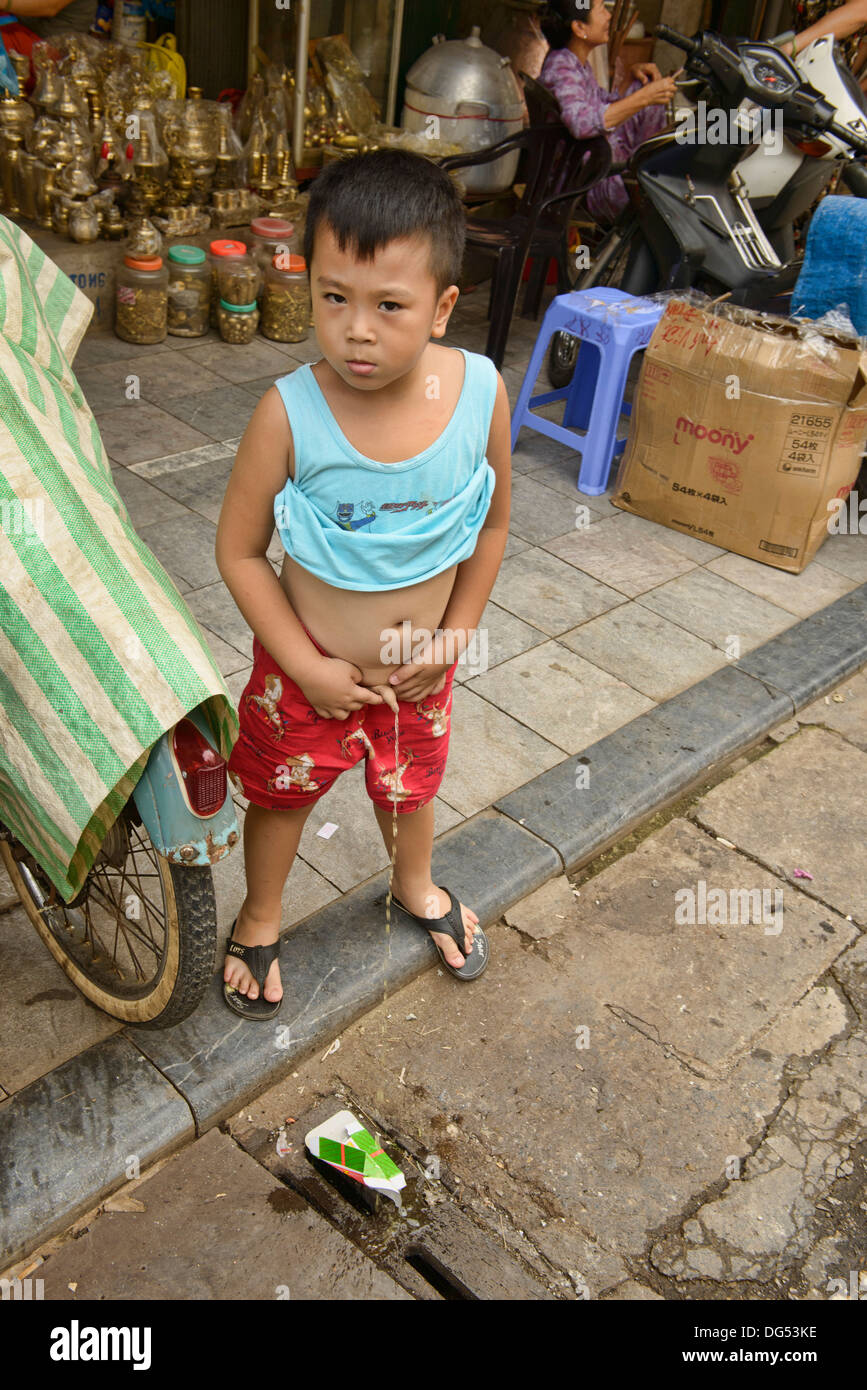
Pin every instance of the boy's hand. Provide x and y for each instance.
(425, 675)
(333, 690)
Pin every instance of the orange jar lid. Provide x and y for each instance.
(143, 262)
(228, 248)
(289, 261)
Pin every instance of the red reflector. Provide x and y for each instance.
(814, 148)
(203, 770)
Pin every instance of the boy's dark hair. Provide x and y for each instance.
(556, 19)
(372, 199)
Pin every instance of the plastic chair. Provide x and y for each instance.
(556, 170)
(612, 327)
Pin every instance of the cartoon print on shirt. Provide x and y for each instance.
(344, 514)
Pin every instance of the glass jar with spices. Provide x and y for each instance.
(220, 251)
(239, 279)
(189, 303)
(237, 322)
(286, 300)
(267, 237)
(142, 299)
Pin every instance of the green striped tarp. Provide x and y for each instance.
(99, 653)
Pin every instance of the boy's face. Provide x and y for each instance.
(373, 319)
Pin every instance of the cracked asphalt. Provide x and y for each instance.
(656, 1091)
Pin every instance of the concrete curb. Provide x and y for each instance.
(66, 1139)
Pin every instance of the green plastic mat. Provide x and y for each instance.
(99, 654)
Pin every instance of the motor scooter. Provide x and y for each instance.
(689, 221)
(115, 721)
(139, 939)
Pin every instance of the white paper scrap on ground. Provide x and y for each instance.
(327, 830)
(346, 1145)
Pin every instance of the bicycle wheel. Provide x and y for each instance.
(139, 940)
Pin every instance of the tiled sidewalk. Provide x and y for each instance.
(587, 627)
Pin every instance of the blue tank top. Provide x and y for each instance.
(360, 524)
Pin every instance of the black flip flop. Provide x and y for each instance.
(477, 961)
(258, 960)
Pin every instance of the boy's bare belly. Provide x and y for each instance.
(348, 622)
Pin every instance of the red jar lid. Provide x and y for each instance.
(289, 261)
(228, 248)
(272, 228)
(143, 262)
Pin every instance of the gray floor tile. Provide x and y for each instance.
(184, 545)
(356, 850)
(215, 609)
(490, 753)
(690, 546)
(145, 503)
(212, 452)
(549, 593)
(801, 594)
(44, 1020)
(146, 433)
(239, 362)
(514, 546)
(163, 377)
(538, 513)
(105, 388)
(98, 348)
(198, 484)
(306, 351)
(716, 610)
(568, 701)
(219, 413)
(846, 554)
(501, 636)
(262, 384)
(615, 555)
(654, 656)
(304, 891)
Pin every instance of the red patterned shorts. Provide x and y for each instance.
(287, 755)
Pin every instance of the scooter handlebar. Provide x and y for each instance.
(678, 40)
(842, 132)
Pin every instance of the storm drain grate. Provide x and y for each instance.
(432, 1248)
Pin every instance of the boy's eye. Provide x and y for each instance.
(390, 305)
(333, 295)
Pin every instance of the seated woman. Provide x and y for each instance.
(573, 28)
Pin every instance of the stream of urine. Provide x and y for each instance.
(391, 700)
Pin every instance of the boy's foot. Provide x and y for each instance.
(237, 974)
(433, 902)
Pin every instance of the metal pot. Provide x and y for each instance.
(474, 96)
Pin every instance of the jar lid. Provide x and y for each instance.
(143, 262)
(239, 308)
(289, 261)
(271, 227)
(228, 248)
(187, 255)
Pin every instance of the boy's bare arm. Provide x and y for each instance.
(475, 577)
(244, 533)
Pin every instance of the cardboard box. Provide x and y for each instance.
(744, 428)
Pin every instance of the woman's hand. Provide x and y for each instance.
(332, 688)
(645, 72)
(659, 92)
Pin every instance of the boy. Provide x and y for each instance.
(386, 466)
